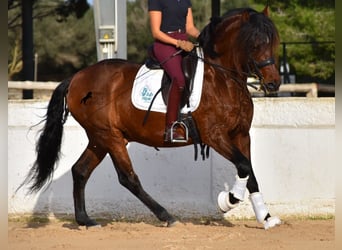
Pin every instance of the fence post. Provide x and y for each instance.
(286, 73)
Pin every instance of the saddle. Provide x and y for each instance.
(189, 64)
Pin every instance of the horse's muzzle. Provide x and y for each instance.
(270, 88)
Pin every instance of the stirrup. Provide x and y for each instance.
(182, 124)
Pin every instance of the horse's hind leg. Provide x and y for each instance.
(129, 179)
(81, 172)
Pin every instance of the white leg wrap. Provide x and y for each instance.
(259, 206)
(239, 188)
(223, 202)
(261, 211)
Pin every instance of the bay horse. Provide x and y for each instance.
(238, 44)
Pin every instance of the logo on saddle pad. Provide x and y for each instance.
(146, 94)
(148, 81)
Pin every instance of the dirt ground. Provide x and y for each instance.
(202, 234)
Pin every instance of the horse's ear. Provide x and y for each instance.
(266, 10)
(245, 16)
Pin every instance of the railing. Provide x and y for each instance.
(43, 90)
(32, 85)
(309, 89)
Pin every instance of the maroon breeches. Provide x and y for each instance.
(171, 64)
(173, 67)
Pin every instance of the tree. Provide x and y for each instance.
(65, 47)
(14, 38)
(139, 36)
(296, 20)
(310, 23)
(41, 9)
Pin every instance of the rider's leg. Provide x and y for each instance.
(172, 114)
(172, 64)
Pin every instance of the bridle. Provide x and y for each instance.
(255, 72)
(257, 66)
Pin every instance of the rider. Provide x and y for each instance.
(171, 21)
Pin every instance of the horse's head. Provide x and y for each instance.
(245, 42)
(261, 39)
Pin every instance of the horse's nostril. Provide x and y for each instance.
(271, 86)
(270, 89)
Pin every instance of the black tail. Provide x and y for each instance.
(49, 143)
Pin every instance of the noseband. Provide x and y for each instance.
(255, 72)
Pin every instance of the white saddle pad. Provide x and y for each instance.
(147, 82)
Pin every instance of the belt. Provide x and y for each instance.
(176, 31)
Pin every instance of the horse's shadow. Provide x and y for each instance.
(172, 181)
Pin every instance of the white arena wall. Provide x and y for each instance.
(293, 155)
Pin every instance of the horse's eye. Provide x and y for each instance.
(256, 47)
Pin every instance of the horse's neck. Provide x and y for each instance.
(228, 79)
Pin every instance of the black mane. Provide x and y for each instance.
(258, 28)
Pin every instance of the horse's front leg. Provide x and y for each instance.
(228, 200)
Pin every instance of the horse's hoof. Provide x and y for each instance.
(93, 226)
(172, 223)
(88, 223)
(272, 222)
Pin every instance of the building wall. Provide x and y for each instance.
(293, 155)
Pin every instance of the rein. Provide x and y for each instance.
(258, 66)
(163, 62)
(224, 69)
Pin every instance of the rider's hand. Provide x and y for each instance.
(185, 45)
